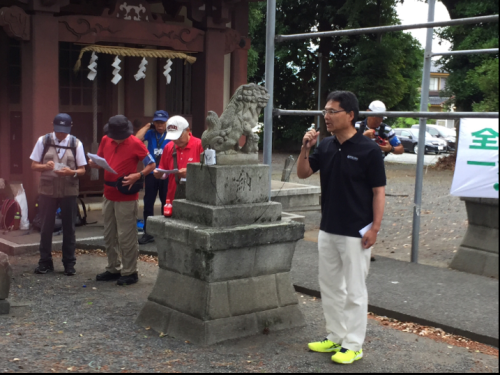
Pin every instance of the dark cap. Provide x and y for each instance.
(119, 128)
(160, 116)
(62, 123)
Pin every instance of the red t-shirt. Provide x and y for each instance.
(123, 158)
(189, 154)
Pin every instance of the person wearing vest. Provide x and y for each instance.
(155, 134)
(60, 158)
(184, 149)
(122, 151)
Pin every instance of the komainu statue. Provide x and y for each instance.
(241, 115)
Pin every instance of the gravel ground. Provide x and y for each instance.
(443, 221)
(58, 325)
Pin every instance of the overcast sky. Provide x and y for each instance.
(413, 11)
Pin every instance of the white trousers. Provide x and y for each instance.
(343, 268)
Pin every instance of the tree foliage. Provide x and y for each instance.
(387, 66)
(473, 81)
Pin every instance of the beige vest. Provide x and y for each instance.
(53, 185)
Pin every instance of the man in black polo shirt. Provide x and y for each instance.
(352, 201)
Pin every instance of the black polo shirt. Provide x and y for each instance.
(348, 173)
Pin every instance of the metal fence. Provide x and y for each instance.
(423, 114)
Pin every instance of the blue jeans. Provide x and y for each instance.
(152, 188)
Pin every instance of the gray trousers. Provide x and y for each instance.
(48, 208)
(120, 236)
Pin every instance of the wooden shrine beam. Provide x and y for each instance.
(94, 29)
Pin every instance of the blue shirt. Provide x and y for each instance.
(154, 139)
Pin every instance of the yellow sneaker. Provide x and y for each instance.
(325, 346)
(346, 356)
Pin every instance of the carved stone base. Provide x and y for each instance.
(237, 159)
(176, 324)
(4, 307)
(225, 258)
(478, 252)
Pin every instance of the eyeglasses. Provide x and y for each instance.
(331, 111)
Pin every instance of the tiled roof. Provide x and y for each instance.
(437, 100)
(436, 67)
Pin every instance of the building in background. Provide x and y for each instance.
(41, 40)
(437, 103)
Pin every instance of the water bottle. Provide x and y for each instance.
(167, 210)
(17, 221)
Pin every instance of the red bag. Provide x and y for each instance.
(10, 214)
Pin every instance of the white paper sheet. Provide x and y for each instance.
(59, 166)
(101, 162)
(365, 229)
(167, 172)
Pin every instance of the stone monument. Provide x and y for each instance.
(5, 277)
(225, 255)
(478, 252)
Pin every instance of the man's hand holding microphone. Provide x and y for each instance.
(310, 139)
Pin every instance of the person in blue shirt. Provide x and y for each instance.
(155, 134)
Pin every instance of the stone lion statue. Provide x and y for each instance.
(240, 116)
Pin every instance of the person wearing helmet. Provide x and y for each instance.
(373, 127)
(60, 158)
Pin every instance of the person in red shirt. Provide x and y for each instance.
(122, 152)
(184, 149)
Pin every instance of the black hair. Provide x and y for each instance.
(348, 102)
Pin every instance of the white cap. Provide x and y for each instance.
(175, 126)
(377, 106)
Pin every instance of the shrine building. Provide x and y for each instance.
(193, 55)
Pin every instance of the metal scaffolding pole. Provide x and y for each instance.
(432, 115)
(385, 29)
(320, 90)
(466, 52)
(424, 101)
(268, 111)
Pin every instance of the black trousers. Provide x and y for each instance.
(48, 208)
(152, 188)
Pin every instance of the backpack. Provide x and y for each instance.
(79, 219)
(8, 212)
(47, 143)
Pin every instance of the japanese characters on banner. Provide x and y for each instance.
(476, 171)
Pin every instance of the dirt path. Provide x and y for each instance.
(74, 324)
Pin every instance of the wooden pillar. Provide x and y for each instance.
(40, 92)
(239, 57)
(208, 80)
(4, 108)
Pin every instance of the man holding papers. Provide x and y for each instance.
(122, 151)
(60, 158)
(184, 149)
(352, 197)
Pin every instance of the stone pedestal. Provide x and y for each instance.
(5, 277)
(478, 252)
(225, 258)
